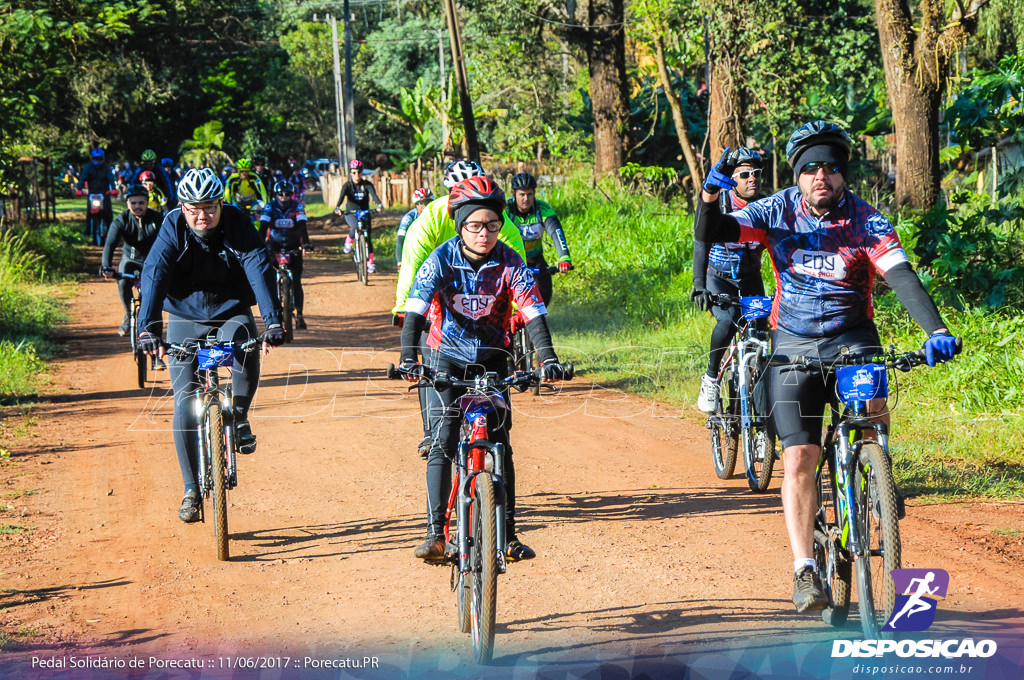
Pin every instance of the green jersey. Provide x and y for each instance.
(532, 226)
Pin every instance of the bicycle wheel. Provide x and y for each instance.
(529, 360)
(284, 289)
(879, 551)
(141, 362)
(833, 563)
(141, 358)
(462, 588)
(484, 568)
(214, 431)
(759, 440)
(724, 438)
(361, 258)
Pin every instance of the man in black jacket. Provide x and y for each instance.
(206, 270)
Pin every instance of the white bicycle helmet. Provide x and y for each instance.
(460, 170)
(198, 186)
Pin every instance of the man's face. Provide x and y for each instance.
(484, 240)
(202, 216)
(243, 174)
(747, 187)
(137, 205)
(524, 199)
(822, 186)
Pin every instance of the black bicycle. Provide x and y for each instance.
(360, 249)
(213, 401)
(741, 413)
(523, 355)
(286, 289)
(857, 524)
(476, 504)
(142, 360)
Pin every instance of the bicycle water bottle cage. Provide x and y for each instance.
(755, 307)
(217, 356)
(862, 382)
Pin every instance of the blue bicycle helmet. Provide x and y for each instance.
(816, 133)
(97, 154)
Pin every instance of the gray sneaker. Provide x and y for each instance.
(707, 401)
(189, 510)
(807, 592)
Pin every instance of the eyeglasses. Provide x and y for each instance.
(744, 174)
(812, 168)
(194, 212)
(285, 194)
(476, 227)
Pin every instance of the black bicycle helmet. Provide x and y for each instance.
(198, 186)
(745, 156)
(283, 187)
(816, 133)
(472, 194)
(524, 180)
(136, 190)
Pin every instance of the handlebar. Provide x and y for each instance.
(186, 351)
(901, 362)
(550, 269)
(441, 380)
(137, 277)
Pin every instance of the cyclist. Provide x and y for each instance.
(533, 217)
(244, 189)
(826, 244)
(298, 183)
(136, 228)
(727, 269)
(98, 178)
(428, 231)
(358, 191)
(420, 198)
(157, 198)
(262, 170)
(148, 163)
(467, 342)
(206, 269)
(167, 164)
(284, 223)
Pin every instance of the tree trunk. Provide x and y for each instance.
(677, 116)
(606, 60)
(726, 108)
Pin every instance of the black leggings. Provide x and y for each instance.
(728, 318)
(445, 446)
(124, 286)
(353, 224)
(245, 377)
(295, 265)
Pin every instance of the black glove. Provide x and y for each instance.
(701, 297)
(274, 335)
(551, 370)
(412, 368)
(398, 319)
(149, 342)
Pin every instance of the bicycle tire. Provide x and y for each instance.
(875, 514)
(141, 361)
(724, 438)
(360, 258)
(484, 571)
(462, 592)
(284, 288)
(833, 563)
(759, 439)
(141, 358)
(528, 360)
(218, 462)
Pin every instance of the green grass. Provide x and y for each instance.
(622, 315)
(11, 529)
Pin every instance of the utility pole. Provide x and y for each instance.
(350, 117)
(444, 87)
(469, 146)
(339, 99)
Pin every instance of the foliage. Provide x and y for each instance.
(652, 180)
(990, 109)
(205, 146)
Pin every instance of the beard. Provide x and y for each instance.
(822, 203)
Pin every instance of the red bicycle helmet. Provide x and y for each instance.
(147, 176)
(475, 192)
(422, 195)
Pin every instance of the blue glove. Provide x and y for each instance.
(941, 346)
(719, 177)
(149, 342)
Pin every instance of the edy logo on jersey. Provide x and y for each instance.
(473, 306)
(819, 264)
(919, 591)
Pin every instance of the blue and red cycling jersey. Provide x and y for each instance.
(470, 310)
(824, 266)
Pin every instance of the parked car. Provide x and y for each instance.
(315, 167)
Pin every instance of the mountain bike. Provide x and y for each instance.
(95, 225)
(213, 402)
(141, 358)
(360, 249)
(523, 356)
(742, 414)
(475, 546)
(856, 525)
(285, 289)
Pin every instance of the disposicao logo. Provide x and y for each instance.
(918, 592)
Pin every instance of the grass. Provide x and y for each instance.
(23, 633)
(11, 529)
(622, 315)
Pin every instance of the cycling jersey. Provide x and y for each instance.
(403, 227)
(470, 309)
(824, 266)
(360, 194)
(285, 225)
(96, 178)
(244, 192)
(532, 226)
(157, 200)
(137, 233)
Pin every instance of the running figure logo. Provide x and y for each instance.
(920, 590)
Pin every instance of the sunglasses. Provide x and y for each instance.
(476, 227)
(829, 168)
(744, 174)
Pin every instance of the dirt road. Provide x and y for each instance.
(646, 561)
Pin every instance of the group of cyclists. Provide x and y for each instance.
(472, 261)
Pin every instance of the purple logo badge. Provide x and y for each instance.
(918, 592)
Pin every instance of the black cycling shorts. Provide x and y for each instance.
(800, 398)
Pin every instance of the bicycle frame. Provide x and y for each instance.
(210, 390)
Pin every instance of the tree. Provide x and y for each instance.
(917, 60)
